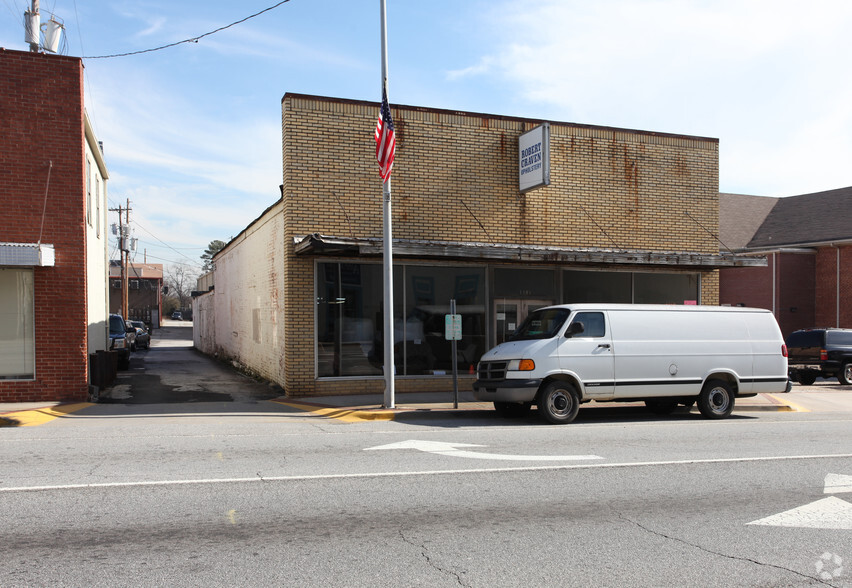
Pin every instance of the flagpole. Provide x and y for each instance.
(387, 256)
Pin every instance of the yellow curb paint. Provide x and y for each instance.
(232, 516)
(342, 414)
(40, 416)
(788, 406)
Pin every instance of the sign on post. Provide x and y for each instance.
(452, 327)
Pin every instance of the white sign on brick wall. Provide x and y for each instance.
(534, 158)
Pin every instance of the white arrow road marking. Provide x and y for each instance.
(826, 513)
(451, 449)
(837, 483)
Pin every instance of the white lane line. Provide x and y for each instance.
(417, 473)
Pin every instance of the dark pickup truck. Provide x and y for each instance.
(825, 353)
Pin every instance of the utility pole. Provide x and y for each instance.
(124, 247)
(33, 26)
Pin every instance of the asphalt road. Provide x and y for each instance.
(247, 491)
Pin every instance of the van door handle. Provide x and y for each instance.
(604, 345)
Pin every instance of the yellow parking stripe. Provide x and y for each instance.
(39, 416)
(790, 406)
(342, 414)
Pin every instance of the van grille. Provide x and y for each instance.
(492, 370)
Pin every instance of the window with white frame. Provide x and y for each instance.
(98, 206)
(89, 191)
(17, 324)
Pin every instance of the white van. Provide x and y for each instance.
(562, 356)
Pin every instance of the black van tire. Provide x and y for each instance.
(716, 400)
(806, 378)
(558, 402)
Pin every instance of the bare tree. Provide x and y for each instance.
(180, 280)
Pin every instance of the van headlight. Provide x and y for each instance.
(521, 365)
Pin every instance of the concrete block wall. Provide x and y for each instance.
(455, 179)
(42, 151)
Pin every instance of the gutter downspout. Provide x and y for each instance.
(774, 294)
(837, 287)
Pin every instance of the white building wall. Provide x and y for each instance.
(97, 264)
(247, 323)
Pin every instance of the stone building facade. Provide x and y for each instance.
(628, 216)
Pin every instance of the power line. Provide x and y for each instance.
(192, 39)
(191, 261)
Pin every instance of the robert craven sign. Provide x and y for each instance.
(534, 158)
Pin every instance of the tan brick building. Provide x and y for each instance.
(628, 216)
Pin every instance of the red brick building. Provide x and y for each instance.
(53, 285)
(144, 291)
(807, 240)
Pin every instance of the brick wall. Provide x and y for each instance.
(795, 283)
(828, 260)
(456, 173)
(41, 106)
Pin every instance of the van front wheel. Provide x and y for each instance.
(559, 402)
(716, 400)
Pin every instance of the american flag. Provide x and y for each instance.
(385, 139)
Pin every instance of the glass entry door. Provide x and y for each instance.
(510, 313)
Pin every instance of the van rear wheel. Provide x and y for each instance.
(716, 400)
(559, 402)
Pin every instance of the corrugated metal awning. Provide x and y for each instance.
(316, 244)
(27, 254)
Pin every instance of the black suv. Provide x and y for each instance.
(820, 352)
(120, 339)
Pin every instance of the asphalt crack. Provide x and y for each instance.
(424, 553)
(724, 555)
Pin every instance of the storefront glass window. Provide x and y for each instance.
(585, 286)
(350, 320)
(17, 325)
(656, 288)
(630, 287)
(428, 293)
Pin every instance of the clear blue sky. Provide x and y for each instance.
(192, 134)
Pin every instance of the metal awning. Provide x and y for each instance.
(316, 244)
(27, 254)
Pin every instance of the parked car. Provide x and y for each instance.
(825, 353)
(177, 316)
(122, 339)
(143, 337)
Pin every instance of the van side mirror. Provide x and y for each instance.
(575, 329)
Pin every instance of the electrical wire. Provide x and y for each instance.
(190, 40)
(191, 261)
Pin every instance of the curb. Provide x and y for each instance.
(357, 414)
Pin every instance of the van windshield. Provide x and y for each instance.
(541, 324)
